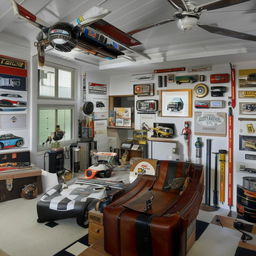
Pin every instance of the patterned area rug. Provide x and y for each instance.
(243, 248)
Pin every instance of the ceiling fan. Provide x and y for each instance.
(188, 15)
(89, 33)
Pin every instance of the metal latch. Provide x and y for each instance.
(9, 184)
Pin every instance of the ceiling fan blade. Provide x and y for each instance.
(150, 26)
(23, 13)
(179, 4)
(90, 16)
(219, 4)
(227, 32)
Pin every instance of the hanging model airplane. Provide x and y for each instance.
(188, 15)
(89, 33)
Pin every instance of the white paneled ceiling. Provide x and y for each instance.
(131, 14)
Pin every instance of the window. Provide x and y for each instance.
(49, 117)
(56, 104)
(56, 82)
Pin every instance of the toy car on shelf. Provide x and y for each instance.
(176, 105)
(10, 140)
(11, 100)
(250, 145)
(186, 79)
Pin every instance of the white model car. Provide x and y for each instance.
(12, 100)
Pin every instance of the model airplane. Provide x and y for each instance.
(89, 33)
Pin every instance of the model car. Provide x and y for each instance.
(176, 105)
(250, 145)
(11, 100)
(76, 200)
(186, 79)
(10, 140)
(161, 131)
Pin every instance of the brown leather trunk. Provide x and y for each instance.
(12, 182)
(134, 228)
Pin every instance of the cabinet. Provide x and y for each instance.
(121, 101)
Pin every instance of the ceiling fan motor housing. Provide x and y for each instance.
(63, 36)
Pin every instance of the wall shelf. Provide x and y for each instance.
(120, 127)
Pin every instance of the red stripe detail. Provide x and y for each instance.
(94, 84)
(219, 78)
(115, 33)
(230, 161)
(26, 14)
(169, 70)
(13, 71)
(233, 87)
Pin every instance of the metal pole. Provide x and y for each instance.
(208, 172)
(215, 191)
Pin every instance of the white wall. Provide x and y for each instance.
(120, 85)
(99, 125)
(18, 48)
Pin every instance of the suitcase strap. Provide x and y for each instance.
(143, 236)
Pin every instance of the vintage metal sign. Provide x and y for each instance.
(211, 123)
(13, 66)
(167, 70)
(247, 94)
(96, 88)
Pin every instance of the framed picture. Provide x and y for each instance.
(123, 117)
(143, 89)
(176, 103)
(210, 123)
(247, 94)
(247, 108)
(247, 143)
(247, 78)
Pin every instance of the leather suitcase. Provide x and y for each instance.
(152, 217)
(12, 182)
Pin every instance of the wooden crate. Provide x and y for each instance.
(96, 229)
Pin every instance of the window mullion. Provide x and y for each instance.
(56, 82)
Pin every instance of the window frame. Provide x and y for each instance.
(56, 85)
(55, 107)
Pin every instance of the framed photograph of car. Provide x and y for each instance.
(247, 108)
(176, 103)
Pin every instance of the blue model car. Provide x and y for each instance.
(10, 140)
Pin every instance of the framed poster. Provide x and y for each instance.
(247, 94)
(13, 121)
(12, 101)
(96, 88)
(123, 117)
(247, 78)
(176, 103)
(210, 123)
(144, 89)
